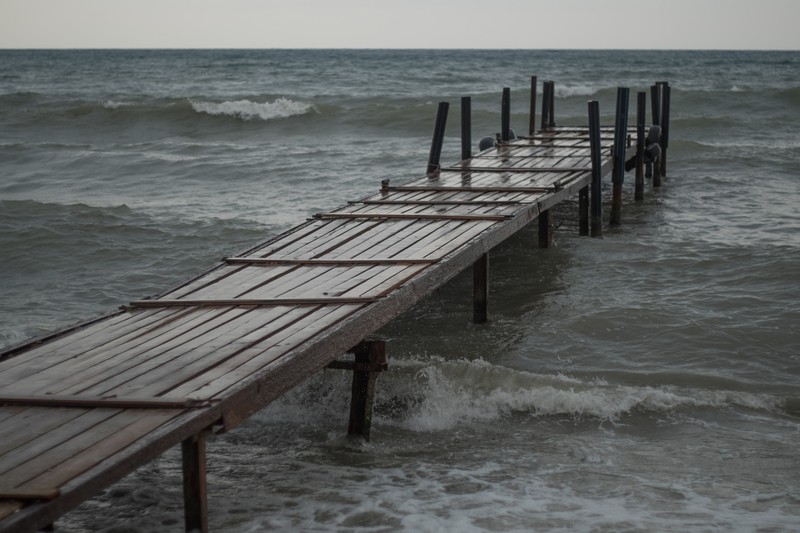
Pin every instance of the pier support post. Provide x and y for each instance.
(641, 107)
(583, 211)
(532, 123)
(655, 104)
(665, 97)
(438, 139)
(505, 115)
(620, 141)
(547, 93)
(480, 282)
(370, 360)
(597, 183)
(545, 228)
(195, 500)
(466, 127)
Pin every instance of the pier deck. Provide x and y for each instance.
(82, 408)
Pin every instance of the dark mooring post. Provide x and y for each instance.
(665, 97)
(532, 123)
(505, 115)
(438, 139)
(480, 284)
(595, 155)
(370, 360)
(620, 142)
(195, 501)
(551, 113)
(466, 127)
(641, 107)
(654, 169)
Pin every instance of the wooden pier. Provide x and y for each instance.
(83, 407)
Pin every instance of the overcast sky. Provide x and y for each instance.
(670, 24)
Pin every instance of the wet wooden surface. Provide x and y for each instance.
(258, 324)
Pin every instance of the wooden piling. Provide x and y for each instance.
(545, 228)
(546, 87)
(655, 105)
(551, 114)
(620, 141)
(370, 360)
(505, 115)
(665, 103)
(438, 139)
(597, 173)
(583, 211)
(641, 107)
(532, 122)
(466, 128)
(480, 283)
(195, 500)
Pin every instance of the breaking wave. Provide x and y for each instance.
(248, 110)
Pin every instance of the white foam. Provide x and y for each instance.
(248, 110)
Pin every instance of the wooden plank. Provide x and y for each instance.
(329, 262)
(31, 424)
(99, 401)
(415, 216)
(173, 371)
(57, 379)
(240, 302)
(40, 471)
(63, 430)
(117, 437)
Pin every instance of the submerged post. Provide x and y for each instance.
(595, 155)
(370, 360)
(466, 127)
(505, 115)
(620, 141)
(532, 122)
(438, 139)
(195, 500)
(480, 284)
(641, 107)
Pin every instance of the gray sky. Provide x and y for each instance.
(671, 24)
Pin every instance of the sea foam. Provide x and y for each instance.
(248, 110)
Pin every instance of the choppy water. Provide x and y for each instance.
(649, 380)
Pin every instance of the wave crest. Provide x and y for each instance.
(249, 110)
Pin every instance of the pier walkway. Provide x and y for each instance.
(84, 407)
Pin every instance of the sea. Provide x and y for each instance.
(648, 380)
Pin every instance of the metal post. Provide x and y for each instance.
(370, 360)
(480, 279)
(505, 115)
(620, 141)
(641, 108)
(466, 127)
(438, 139)
(195, 499)
(532, 123)
(597, 183)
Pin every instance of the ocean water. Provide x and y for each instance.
(645, 381)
